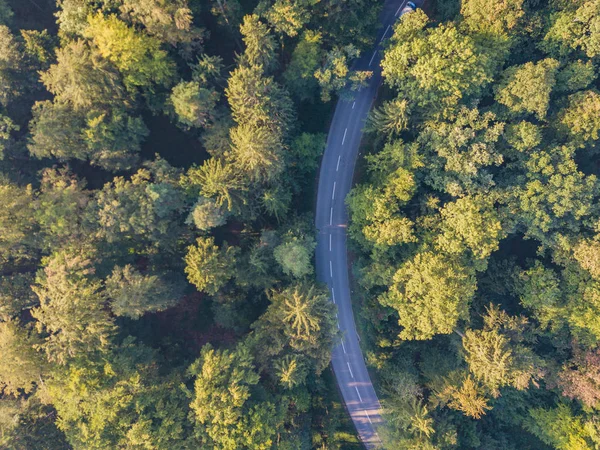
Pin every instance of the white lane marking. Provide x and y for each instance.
(367, 414)
(344, 138)
(331, 216)
(330, 242)
(351, 374)
(338, 163)
(372, 58)
(333, 295)
(399, 8)
(338, 324)
(333, 193)
(330, 269)
(342, 341)
(359, 397)
(386, 30)
(353, 105)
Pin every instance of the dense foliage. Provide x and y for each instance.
(477, 227)
(156, 245)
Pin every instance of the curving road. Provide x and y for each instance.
(335, 181)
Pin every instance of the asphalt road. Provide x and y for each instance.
(335, 181)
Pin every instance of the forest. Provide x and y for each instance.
(158, 164)
(475, 227)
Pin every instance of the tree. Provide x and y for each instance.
(257, 101)
(217, 180)
(138, 57)
(108, 139)
(257, 153)
(209, 267)
(489, 357)
(18, 239)
(71, 313)
(121, 401)
(16, 295)
(575, 76)
(470, 223)
(335, 75)
(7, 127)
(580, 119)
(6, 13)
(498, 16)
(294, 255)
(22, 366)
(291, 371)
(192, 104)
(12, 67)
(461, 68)
(56, 131)
(289, 17)
(431, 294)
(299, 321)
(574, 28)
(142, 210)
(559, 428)
(170, 21)
(465, 397)
(59, 207)
(540, 291)
(82, 78)
(299, 75)
(461, 153)
(390, 119)
(527, 88)
(556, 195)
(227, 415)
(260, 44)
(133, 294)
(206, 214)
(580, 377)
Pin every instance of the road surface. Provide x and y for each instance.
(335, 181)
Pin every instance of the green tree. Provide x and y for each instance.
(209, 267)
(260, 44)
(288, 17)
(299, 75)
(142, 210)
(461, 154)
(133, 294)
(294, 255)
(137, 56)
(16, 295)
(556, 195)
(559, 428)
(461, 68)
(470, 223)
(18, 240)
(192, 104)
(217, 180)
(580, 120)
(72, 312)
(299, 321)
(59, 208)
(432, 294)
(335, 75)
(227, 415)
(206, 214)
(257, 153)
(527, 88)
(170, 21)
(120, 401)
(498, 16)
(574, 28)
(22, 366)
(82, 78)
